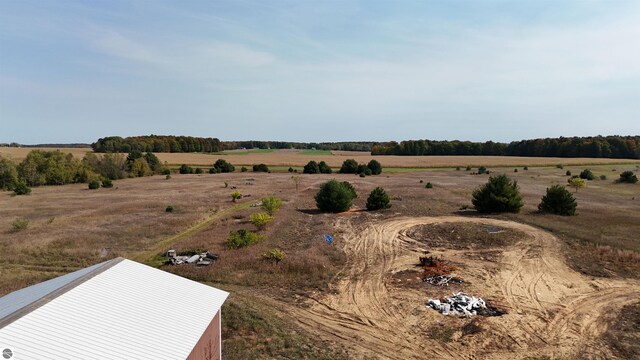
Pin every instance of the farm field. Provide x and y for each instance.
(298, 158)
(563, 282)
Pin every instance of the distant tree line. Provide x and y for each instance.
(620, 147)
(157, 143)
(344, 146)
(68, 145)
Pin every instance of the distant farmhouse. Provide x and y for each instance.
(118, 309)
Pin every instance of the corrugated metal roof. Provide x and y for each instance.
(19, 299)
(128, 311)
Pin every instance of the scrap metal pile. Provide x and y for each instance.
(459, 304)
(202, 259)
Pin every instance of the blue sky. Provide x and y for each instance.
(73, 71)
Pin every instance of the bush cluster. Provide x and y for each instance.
(222, 166)
(499, 194)
(587, 175)
(261, 168)
(275, 255)
(335, 196)
(242, 238)
(271, 204)
(378, 199)
(350, 166)
(313, 167)
(558, 200)
(628, 177)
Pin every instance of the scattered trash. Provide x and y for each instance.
(459, 304)
(442, 280)
(328, 239)
(104, 252)
(258, 204)
(203, 259)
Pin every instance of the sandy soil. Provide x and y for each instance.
(552, 310)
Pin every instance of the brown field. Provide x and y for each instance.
(562, 280)
(295, 158)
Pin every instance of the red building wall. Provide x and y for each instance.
(209, 346)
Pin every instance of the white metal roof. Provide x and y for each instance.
(127, 311)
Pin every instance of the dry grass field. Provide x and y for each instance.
(563, 280)
(298, 158)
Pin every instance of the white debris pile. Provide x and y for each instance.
(203, 259)
(459, 304)
(442, 280)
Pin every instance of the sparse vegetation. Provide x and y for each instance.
(576, 183)
(568, 173)
(185, 169)
(19, 224)
(559, 201)
(275, 255)
(169, 208)
(429, 185)
(94, 184)
(482, 170)
(235, 196)
(242, 238)
(499, 194)
(271, 204)
(260, 220)
(378, 199)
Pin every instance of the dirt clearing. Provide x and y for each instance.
(552, 310)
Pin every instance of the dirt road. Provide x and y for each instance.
(552, 310)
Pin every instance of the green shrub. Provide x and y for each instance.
(349, 166)
(186, 169)
(525, 168)
(576, 182)
(378, 199)
(335, 196)
(242, 238)
(271, 204)
(568, 173)
(235, 196)
(167, 177)
(198, 171)
(558, 200)
(515, 170)
(628, 177)
(603, 177)
(482, 170)
(311, 168)
(275, 255)
(8, 174)
(559, 166)
(244, 169)
(587, 175)
(260, 220)
(421, 181)
(290, 169)
(166, 171)
(223, 166)
(429, 185)
(499, 194)
(214, 170)
(21, 188)
(169, 208)
(19, 224)
(107, 183)
(468, 168)
(261, 168)
(324, 168)
(362, 175)
(375, 167)
(94, 184)
(457, 168)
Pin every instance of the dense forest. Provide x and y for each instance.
(621, 147)
(159, 143)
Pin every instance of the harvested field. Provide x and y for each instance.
(298, 158)
(362, 297)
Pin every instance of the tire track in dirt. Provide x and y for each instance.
(553, 310)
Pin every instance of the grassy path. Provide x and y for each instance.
(149, 256)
